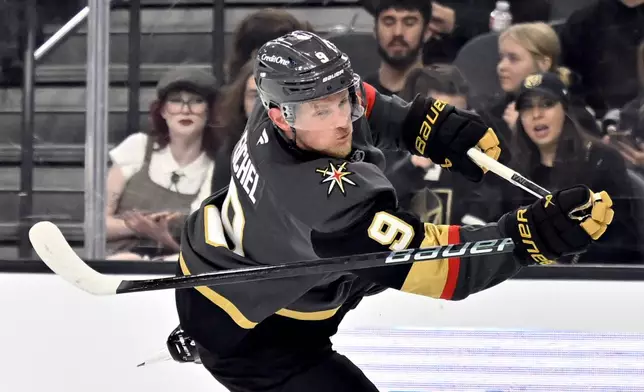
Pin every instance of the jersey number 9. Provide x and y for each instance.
(233, 218)
(391, 231)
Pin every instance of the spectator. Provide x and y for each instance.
(236, 102)
(629, 138)
(158, 177)
(401, 30)
(524, 49)
(257, 29)
(599, 42)
(435, 194)
(454, 22)
(441, 81)
(553, 150)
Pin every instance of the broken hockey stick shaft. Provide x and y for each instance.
(506, 173)
(57, 254)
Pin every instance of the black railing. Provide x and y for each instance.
(218, 35)
(27, 135)
(31, 56)
(134, 66)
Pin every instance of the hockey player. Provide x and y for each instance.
(307, 182)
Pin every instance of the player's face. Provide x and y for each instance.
(458, 101)
(185, 113)
(400, 35)
(250, 95)
(543, 120)
(325, 125)
(516, 63)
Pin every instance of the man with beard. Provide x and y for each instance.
(401, 30)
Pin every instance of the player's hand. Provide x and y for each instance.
(562, 223)
(436, 130)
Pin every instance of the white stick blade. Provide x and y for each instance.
(51, 246)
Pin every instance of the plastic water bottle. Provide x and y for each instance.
(500, 18)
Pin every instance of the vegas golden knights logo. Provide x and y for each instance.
(533, 81)
(433, 206)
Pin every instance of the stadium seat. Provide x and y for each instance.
(477, 61)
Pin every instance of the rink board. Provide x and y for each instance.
(520, 336)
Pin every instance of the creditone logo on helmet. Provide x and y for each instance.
(332, 76)
(274, 59)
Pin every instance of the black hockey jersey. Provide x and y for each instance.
(440, 196)
(285, 205)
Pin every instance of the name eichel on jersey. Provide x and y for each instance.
(243, 168)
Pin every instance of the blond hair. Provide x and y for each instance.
(538, 38)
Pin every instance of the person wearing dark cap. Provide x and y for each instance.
(159, 176)
(552, 149)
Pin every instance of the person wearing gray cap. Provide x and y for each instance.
(159, 176)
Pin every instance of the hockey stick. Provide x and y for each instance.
(53, 249)
(57, 254)
(506, 173)
(578, 214)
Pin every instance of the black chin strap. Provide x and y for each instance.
(291, 143)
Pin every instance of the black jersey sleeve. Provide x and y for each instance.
(205, 248)
(324, 195)
(385, 115)
(452, 278)
(351, 208)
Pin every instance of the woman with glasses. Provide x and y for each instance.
(159, 176)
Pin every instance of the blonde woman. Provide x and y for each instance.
(524, 49)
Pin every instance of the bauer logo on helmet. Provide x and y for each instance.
(332, 76)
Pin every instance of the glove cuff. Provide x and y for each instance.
(528, 245)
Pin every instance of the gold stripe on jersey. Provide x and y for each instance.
(235, 314)
(308, 316)
(429, 278)
(214, 236)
